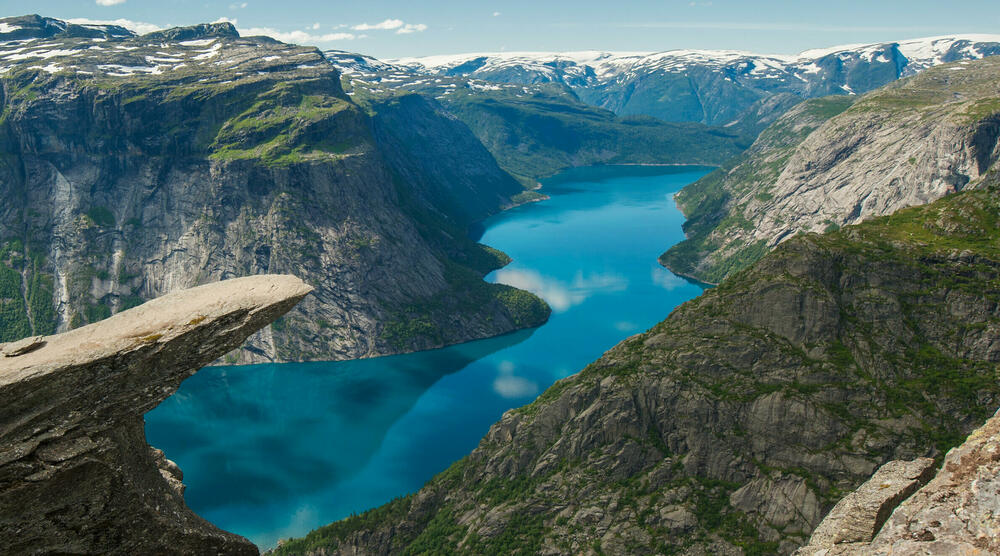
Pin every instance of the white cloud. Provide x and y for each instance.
(508, 385)
(139, 27)
(315, 26)
(397, 25)
(496, 14)
(109, 2)
(297, 37)
(514, 387)
(411, 28)
(386, 25)
(237, 6)
(667, 280)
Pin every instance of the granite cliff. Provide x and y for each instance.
(733, 426)
(836, 161)
(76, 474)
(137, 165)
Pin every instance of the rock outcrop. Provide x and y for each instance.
(830, 163)
(737, 423)
(957, 512)
(76, 474)
(861, 514)
(138, 165)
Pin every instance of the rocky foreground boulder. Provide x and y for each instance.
(76, 474)
(955, 513)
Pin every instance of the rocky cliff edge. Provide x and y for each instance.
(76, 474)
(954, 513)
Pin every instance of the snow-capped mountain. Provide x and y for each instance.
(711, 86)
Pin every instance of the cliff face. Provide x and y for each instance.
(734, 425)
(135, 166)
(825, 165)
(76, 474)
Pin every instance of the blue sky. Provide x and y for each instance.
(396, 28)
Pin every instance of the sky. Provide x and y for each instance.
(403, 28)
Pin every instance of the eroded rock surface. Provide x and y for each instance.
(957, 512)
(76, 474)
(858, 517)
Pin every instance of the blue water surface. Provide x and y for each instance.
(273, 451)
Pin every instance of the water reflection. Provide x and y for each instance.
(268, 434)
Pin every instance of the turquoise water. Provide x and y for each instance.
(273, 451)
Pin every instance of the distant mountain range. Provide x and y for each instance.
(714, 87)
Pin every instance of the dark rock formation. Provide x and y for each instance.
(76, 474)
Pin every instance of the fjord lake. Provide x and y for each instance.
(273, 451)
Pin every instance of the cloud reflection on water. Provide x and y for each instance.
(557, 293)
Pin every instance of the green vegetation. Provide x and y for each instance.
(101, 216)
(26, 293)
(538, 134)
(293, 122)
(426, 323)
(14, 322)
(707, 203)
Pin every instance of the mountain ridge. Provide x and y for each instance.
(137, 166)
(712, 87)
(835, 161)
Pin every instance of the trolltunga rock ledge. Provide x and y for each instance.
(76, 474)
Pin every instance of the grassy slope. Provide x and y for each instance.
(537, 134)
